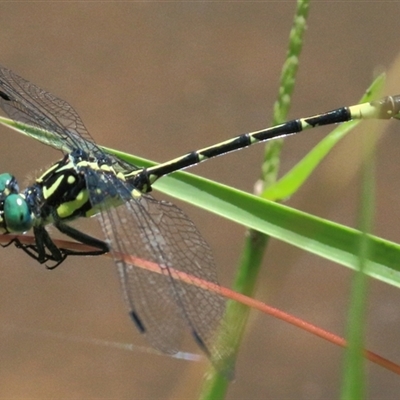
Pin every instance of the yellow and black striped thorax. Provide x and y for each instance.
(77, 186)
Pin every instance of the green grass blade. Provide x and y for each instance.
(316, 235)
(353, 381)
(295, 178)
(41, 135)
(250, 262)
(327, 239)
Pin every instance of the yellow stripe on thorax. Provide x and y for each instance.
(65, 210)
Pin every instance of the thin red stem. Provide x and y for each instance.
(192, 280)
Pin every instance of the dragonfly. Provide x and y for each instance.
(87, 181)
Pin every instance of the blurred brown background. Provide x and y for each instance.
(158, 80)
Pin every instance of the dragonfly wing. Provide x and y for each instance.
(23, 101)
(140, 228)
(157, 232)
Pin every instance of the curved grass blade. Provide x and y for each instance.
(316, 235)
(41, 135)
(295, 178)
(327, 239)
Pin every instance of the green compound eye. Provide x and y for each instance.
(17, 214)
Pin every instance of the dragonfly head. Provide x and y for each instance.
(15, 215)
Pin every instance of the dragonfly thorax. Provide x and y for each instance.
(59, 192)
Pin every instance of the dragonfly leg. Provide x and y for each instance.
(37, 252)
(46, 250)
(10, 242)
(101, 246)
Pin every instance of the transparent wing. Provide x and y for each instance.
(25, 102)
(153, 231)
(160, 233)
